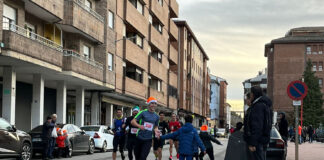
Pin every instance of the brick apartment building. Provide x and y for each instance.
(83, 59)
(194, 75)
(287, 57)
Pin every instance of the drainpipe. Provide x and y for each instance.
(179, 70)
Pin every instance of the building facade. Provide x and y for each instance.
(260, 80)
(214, 99)
(222, 103)
(287, 57)
(83, 59)
(193, 75)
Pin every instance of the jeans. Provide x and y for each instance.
(300, 139)
(52, 143)
(310, 138)
(185, 157)
(259, 154)
(46, 146)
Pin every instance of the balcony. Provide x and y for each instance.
(173, 102)
(18, 39)
(77, 63)
(173, 30)
(158, 70)
(173, 55)
(159, 40)
(173, 79)
(136, 55)
(160, 96)
(80, 19)
(136, 19)
(50, 10)
(174, 9)
(135, 88)
(161, 12)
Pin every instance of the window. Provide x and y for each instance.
(160, 2)
(134, 72)
(31, 30)
(9, 16)
(150, 19)
(110, 62)
(86, 51)
(320, 82)
(314, 49)
(314, 66)
(158, 26)
(4, 125)
(157, 56)
(138, 5)
(155, 83)
(308, 49)
(172, 91)
(111, 19)
(320, 66)
(135, 38)
(88, 5)
(320, 49)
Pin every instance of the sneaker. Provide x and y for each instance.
(170, 158)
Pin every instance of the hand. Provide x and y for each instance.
(252, 148)
(157, 134)
(142, 127)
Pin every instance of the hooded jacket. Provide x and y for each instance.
(283, 126)
(187, 136)
(206, 138)
(254, 122)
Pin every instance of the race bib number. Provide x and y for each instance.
(134, 130)
(148, 126)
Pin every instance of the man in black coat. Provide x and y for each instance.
(310, 133)
(283, 127)
(46, 136)
(256, 125)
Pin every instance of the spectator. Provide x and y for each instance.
(46, 136)
(310, 133)
(239, 126)
(283, 127)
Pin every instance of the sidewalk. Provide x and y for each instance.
(307, 151)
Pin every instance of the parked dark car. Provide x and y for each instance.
(277, 148)
(79, 141)
(13, 142)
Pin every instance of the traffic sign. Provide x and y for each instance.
(297, 90)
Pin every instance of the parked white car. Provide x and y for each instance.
(103, 138)
(221, 132)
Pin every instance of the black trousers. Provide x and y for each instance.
(46, 147)
(259, 154)
(131, 142)
(210, 152)
(142, 149)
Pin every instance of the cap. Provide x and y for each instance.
(204, 128)
(136, 108)
(151, 100)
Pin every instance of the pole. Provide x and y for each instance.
(301, 113)
(296, 133)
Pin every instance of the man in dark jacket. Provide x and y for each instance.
(206, 138)
(283, 127)
(256, 125)
(310, 133)
(187, 136)
(46, 136)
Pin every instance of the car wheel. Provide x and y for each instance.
(26, 152)
(91, 147)
(104, 147)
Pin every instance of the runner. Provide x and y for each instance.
(174, 125)
(148, 123)
(119, 134)
(131, 141)
(158, 143)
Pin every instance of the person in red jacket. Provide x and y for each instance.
(60, 141)
(174, 125)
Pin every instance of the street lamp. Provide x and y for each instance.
(129, 38)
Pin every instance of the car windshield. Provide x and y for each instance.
(90, 128)
(38, 129)
(221, 130)
(275, 133)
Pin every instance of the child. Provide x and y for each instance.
(206, 138)
(187, 136)
(60, 141)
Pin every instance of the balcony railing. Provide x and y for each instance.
(72, 53)
(90, 10)
(31, 35)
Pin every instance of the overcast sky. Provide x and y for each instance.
(234, 32)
